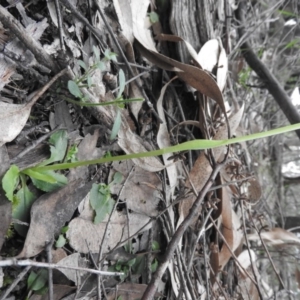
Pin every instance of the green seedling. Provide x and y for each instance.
(61, 240)
(85, 81)
(244, 76)
(153, 16)
(37, 282)
(101, 200)
(136, 265)
(14, 182)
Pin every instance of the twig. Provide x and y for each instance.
(50, 271)
(201, 231)
(248, 248)
(60, 26)
(206, 264)
(152, 287)
(16, 27)
(28, 262)
(269, 256)
(106, 230)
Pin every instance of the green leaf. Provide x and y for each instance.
(61, 241)
(118, 177)
(82, 64)
(190, 145)
(64, 229)
(110, 55)
(40, 175)
(37, 281)
(131, 262)
(10, 181)
(155, 246)
(153, 17)
(71, 155)
(97, 53)
(89, 81)
(58, 148)
(121, 83)
(60, 181)
(154, 265)
(100, 65)
(101, 201)
(116, 126)
(21, 211)
(74, 89)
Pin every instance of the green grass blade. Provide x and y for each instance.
(191, 145)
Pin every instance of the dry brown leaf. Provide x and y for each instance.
(254, 190)
(142, 189)
(277, 236)
(193, 76)
(59, 292)
(83, 231)
(230, 228)
(49, 213)
(201, 170)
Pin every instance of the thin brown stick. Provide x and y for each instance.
(248, 248)
(269, 256)
(152, 287)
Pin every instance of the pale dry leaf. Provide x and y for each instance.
(132, 143)
(163, 141)
(201, 170)
(276, 236)
(142, 190)
(73, 260)
(139, 10)
(49, 213)
(222, 69)
(13, 118)
(83, 232)
(245, 260)
(123, 11)
(208, 55)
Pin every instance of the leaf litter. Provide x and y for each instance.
(109, 207)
